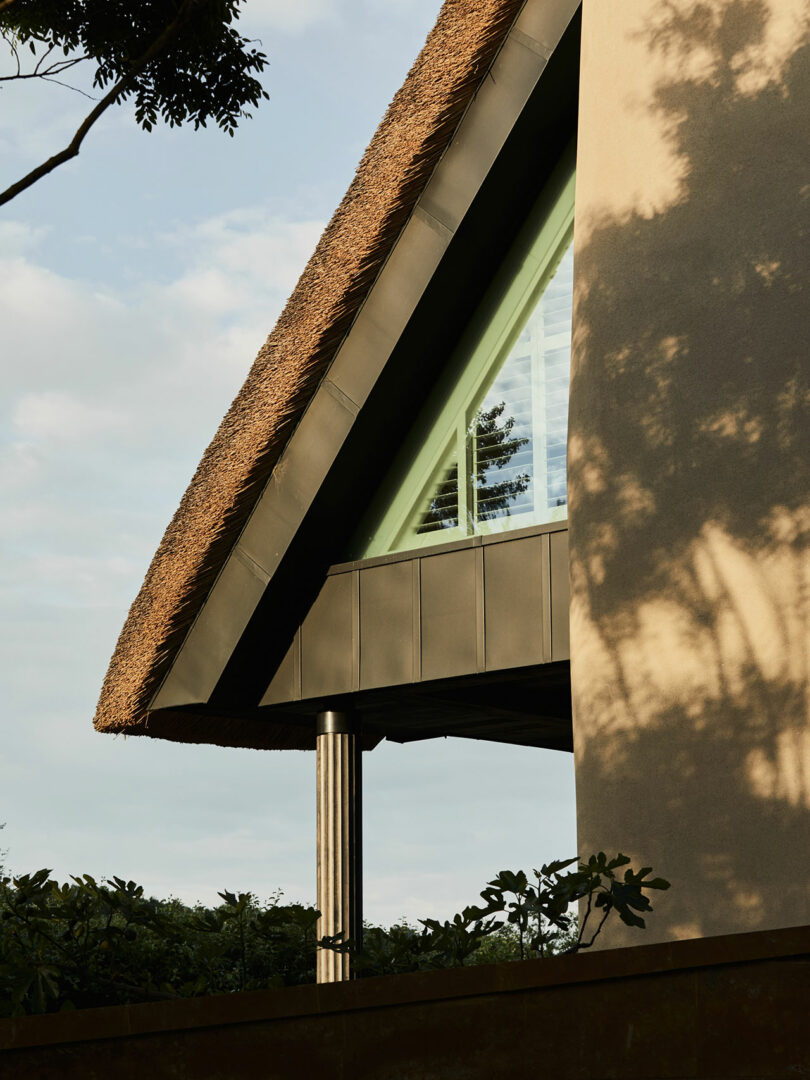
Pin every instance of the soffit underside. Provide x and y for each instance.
(525, 707)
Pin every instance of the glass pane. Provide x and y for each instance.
(556, 316)
(488, 452)
(441, 511)
(518, 433)
(501, 444)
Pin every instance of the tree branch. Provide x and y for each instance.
(55, 68)
(163, 40)
(587, 945)
(43, 58)
(67, 86)
(16, 56)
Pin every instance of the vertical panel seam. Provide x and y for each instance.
(545, 581)
(480, 620)
(355, 630)
(298, 691)
(416, 614)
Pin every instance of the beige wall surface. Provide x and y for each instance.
(689, 456)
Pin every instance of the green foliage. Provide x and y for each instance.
(254, 945)
(179, 60)
(183, 59)
(505, 945)
(88, 943)
(540, 919)
(544, 913)
(403, 948)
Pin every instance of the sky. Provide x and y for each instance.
(137, 284)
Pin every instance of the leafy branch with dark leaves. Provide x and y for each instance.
(57, 941)
(544, 911)
(87, 942)
(542, 916)
(179, 60)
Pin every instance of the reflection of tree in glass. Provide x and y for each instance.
(495, 446)
(442, 511)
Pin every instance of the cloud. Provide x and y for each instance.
(112, 394)
(18, 237)
(240, 260)
(37, 119)
(287, 17)
(71, 581)
(59, 416)
(80, 358)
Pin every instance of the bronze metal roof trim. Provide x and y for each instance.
(393, 172)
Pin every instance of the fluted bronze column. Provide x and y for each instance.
(340, 869)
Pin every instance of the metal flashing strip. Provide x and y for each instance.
(452, 545)
(365, 350)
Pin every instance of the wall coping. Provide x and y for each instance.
(392, 990)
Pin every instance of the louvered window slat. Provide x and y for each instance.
(521, 419)
(531, 393)
(488, 453)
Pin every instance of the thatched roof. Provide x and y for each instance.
(395, 168)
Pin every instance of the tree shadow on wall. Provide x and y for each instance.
(689, 484)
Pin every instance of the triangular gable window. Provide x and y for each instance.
(489, 451)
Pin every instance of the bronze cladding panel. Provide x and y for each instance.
(327, 652)
(560, 648)
(450, 615)
(286, 683)
(485, 607)
(513, 603)
(386, 625)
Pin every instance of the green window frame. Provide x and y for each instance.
(458, 473)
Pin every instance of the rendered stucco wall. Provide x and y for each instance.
(689, 456)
